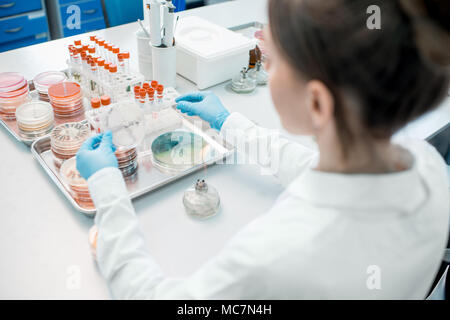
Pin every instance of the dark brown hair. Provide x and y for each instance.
(396, 73)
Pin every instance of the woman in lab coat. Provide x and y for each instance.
(362, 216)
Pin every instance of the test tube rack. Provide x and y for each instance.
(166, 118)
(92, 86)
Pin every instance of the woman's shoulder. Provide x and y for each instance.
(426, 156)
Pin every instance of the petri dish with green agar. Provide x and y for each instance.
(177, 151)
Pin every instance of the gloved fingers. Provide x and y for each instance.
(80, 159)
(92, 142)
(185, 106)
(191, 97)
(107, 141)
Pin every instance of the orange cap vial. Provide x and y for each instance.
(160, 88)
(142, 93)
(136, 89)
(77, 42)
(151, 92)
(106, 65)
(112, 68)
(85, 47)
(146, 85)
(93, 38)
(115, 49)
(105, 100)
(126, 55)
(101, 42)
(154, 84)
(101, 62)
(91, 49)
(95, 103)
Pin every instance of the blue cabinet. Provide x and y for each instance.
(22, 22)
(62, 15)
(13, 7)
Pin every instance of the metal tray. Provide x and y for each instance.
(248, 29)
(147, 177)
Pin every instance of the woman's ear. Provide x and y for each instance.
(320, 104)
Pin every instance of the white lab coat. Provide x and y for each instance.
(329, 236)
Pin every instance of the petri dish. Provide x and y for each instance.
(13, 93)
(70, 133)
(34, 112)
(127, 123)
(34, 119)
(64, 90)
(177, 151)
(76, 183)
(66, 139)
(71, 176)
(66, 99)
(127, 160)
(11, 81)
(45, 80)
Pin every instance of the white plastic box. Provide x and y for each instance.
(208, 54)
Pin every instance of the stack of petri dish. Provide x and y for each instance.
(66, 139)
(34, 119)
(127, 159)
(77, 184)
(13, 93)
(45, 80)
(66, 99)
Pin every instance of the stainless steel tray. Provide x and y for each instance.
(148, 177)
(248, 29)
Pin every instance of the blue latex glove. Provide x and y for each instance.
(206, 105)
(96, 153)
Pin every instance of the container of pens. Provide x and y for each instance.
(164, 55)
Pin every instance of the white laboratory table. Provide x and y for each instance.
(44, 250)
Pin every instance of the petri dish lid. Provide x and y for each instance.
(64, 90)
(18, 92)
(11, 81)
(70, 174)
(70, 133)
(127, 123)
(34, 112)
(44, 80)
(180, 150)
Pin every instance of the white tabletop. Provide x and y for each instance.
(44, 249)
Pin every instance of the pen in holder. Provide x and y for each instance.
(164, 61)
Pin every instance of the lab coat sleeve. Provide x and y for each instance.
(132, 273)
(275, 154)
(121, 254)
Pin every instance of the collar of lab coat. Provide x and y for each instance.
(401, 191)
